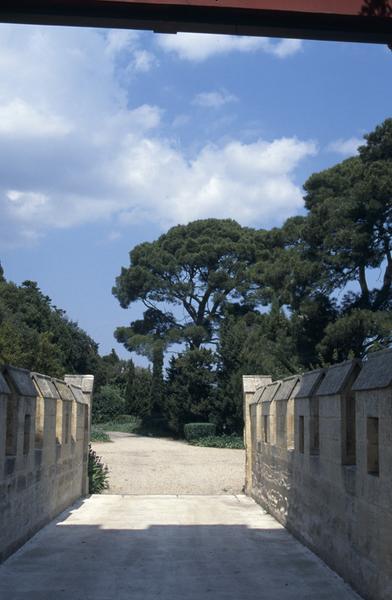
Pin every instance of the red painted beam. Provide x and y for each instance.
(345, 20)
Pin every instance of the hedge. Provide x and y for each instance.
(196, 431)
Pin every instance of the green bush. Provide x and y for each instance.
(190, 393)
(108, 404)
(234, 442)
(154, 426)
(98, 473)
(126, 419)
(98, 435)
(196, 431)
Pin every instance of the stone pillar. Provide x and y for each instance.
(86, 383)
(249, 385)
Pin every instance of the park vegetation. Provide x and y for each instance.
(221, 301)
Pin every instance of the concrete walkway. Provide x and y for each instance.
(147, 465)
(125, 547)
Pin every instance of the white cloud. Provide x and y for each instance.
(120, 40)
(197, 47)
(347, 147)
(143, 61)
(248, 182)
(17, 118)
(73, 151)
(214, 99)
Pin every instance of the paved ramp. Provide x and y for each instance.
(124, 547)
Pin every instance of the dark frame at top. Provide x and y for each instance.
(339, 20)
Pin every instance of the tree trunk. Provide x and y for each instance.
(157, 381)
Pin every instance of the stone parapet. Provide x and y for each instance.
(44, 437)
(324, 466)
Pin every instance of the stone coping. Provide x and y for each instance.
(64, 390)
(20, 380)
(337, 377)
(250, 383)
(376, 372)
(258, 394)
(86, 382)
(309, 383)
(4, 389)
(270, 391)
(45, 386)
(78, 394)
(287, 388)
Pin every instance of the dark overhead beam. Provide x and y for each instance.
(339, 20)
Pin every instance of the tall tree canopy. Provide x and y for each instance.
(314, 291)
(196, 268)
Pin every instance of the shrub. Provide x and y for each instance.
(126, 419)
(190, 393)
(98, 473)
(196, 431)
(234, 442)
(108, 403)
(98, 435)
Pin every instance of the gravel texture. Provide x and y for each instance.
(147, 465)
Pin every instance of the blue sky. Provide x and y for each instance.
(107, 138)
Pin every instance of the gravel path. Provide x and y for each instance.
(146, 465)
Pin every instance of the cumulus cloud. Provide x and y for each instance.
(74, 150)
(215, 99)
(197, 47)
(248, 182)
(347, 147)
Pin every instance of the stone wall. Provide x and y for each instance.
(44, 437)
(319, 458)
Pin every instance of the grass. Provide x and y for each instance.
(98, 435)
(234, 442)
(123, 423)
(119, 424)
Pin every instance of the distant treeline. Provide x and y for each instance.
(36, 335)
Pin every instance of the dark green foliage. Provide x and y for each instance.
(150, 337)
(112, 370)
(98, 473)
(234, 442)
(199, 267)
(195, 431)
(138, 391)
(355, 333)
(36, 335)
(108, 404)
(191, 389)
(274, 302)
